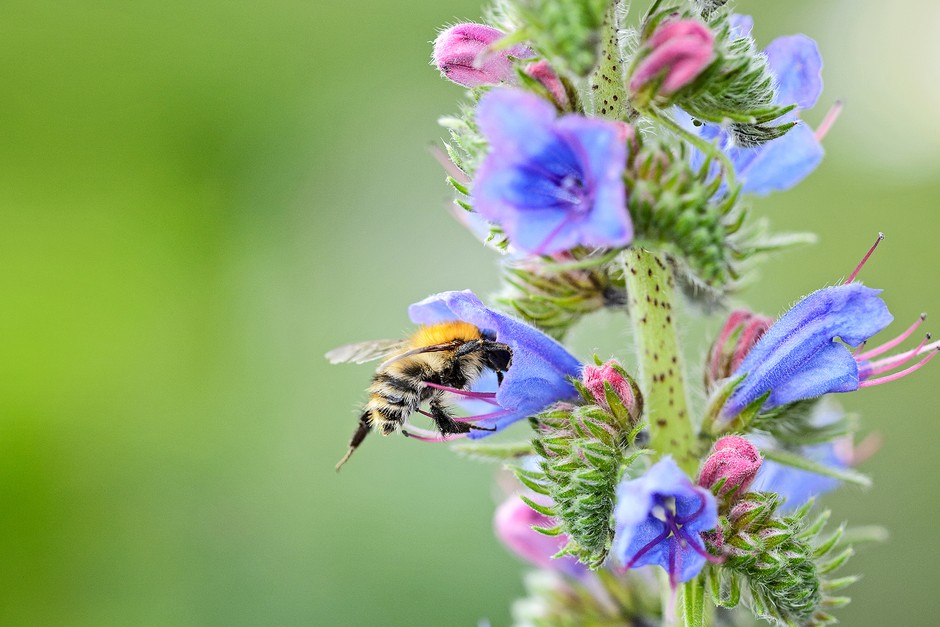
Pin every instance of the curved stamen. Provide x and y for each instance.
(494, 414)
(690, 541)
(889, 345)
(888, 363)
(858, 268)
(553, 234)
(483, 396)
(903, 373)
(831, 116)
(646, 549)
(430, 436)
(701, 506)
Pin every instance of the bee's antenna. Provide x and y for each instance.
(361, 432)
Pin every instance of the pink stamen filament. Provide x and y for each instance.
(552, 235)
(430, 436)
(830, 118)
(646, 548)
(859, 350)
(495, 414)
(483, 396)
(889, 345)
(858, 269)
(903, 373)
(889, 363)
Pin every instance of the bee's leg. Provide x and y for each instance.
(446, 423)
(499, 378)
(361, 432)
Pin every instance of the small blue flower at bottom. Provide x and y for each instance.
(659, 519)
(540, 365)
(551, 183)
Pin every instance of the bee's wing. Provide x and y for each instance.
(431, 348)
(361, 352)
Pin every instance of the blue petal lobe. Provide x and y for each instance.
(797, 65)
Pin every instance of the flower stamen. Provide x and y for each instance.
(827, 122)
(889, 345)
(487, 397)
(858, 269)
(903, 373)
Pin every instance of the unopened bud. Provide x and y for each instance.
(542, 72)
(624, 388)
(513, 524)
(677, 52)
(737, 337)
(736, 461)
(464, 55)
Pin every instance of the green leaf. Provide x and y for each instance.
(494, 452)
(798, 461)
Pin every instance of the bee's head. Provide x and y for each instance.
(498, 357)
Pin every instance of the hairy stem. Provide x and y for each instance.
(650, 288)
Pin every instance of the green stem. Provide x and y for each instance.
(650, 287)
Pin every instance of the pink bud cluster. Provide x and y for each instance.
(678, 51)
(613, 373)
(733, 459)
(466, 55)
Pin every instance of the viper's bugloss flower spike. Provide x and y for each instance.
(678, 51)
(612, 373)
(464, 55)
(551, 183)
(733, 459)
(659, 519)
(737, 337)
(781, 163)
(513, 525)
(540, 365)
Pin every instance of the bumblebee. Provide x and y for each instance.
(449, 356)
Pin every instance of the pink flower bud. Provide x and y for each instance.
(513, 524)
(462, 53)
(733, 459)
(738, 336)
(678, 51)
(543, 73)
(613, 373)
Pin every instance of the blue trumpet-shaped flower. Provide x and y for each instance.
(659, 519)
(551, 183)
(799, 357)
(781, 163)
(540, 365)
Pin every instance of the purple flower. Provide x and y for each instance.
(551, 183)
(659, 519)
(781, 163)
(795, 485)
(540, 365)
(513, 524)
(462, 54)
(799, 357)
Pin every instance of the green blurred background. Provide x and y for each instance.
(197, 200)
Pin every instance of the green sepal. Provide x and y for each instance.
(798, 461)
(545, 510)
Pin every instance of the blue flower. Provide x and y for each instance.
(540, 365)
(551, 183)
(659, 519)
(797, 486)
(781, 163)
(799, 358)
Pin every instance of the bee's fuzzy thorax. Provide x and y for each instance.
(442, 333)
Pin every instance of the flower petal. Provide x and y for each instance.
(779, 164)
(797, 65)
